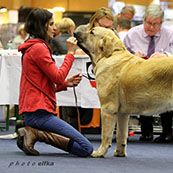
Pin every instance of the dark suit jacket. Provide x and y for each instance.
(59, 46)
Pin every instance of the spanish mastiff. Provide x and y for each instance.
(126, 84)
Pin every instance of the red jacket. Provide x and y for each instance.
(40, 77)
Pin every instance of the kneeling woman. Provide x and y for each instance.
(40, 80)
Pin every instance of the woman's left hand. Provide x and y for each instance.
(73, 80)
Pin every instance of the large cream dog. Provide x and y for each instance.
(126, 84)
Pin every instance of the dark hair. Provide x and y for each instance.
(36, 21)
(124, 23)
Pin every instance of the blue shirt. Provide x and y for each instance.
(136, 39)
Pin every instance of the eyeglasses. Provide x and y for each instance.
(154, 25)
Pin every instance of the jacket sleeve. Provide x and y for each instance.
(44, 61)
(62, 87)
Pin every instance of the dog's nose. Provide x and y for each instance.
(78, 36)
(75, 34)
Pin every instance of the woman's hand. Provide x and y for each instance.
(73, 80)
(80, 52)
(139, 53)
(71, 45)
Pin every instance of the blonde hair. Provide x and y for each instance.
(99, 14)
(20, 28)
(65, 24)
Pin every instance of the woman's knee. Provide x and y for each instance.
(86, 151)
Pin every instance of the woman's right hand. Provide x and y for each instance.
(73, 80)
(71, 45)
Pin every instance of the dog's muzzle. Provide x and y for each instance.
(78, 35)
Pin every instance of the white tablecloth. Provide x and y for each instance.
(10, 71)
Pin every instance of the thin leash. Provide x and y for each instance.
(78, 113)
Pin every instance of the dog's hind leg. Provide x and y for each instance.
(108, 125)
(121, 135)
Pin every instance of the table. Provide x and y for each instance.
(10, 71)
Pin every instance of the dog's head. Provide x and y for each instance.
(99, 42)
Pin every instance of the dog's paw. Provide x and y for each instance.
(118, 153)
(96, 154)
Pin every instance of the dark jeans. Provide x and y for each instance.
(44, 120)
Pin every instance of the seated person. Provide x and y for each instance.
(123, 25)
(150, 42)
(66, 27)
(20, 38)
(128, 11)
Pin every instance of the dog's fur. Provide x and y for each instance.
(126, 84)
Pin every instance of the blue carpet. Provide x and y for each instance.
(142, 157)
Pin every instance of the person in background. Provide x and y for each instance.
(57, 32)
(20, 38)
(40, 79)
(66, 27)
(103, 17)
(123, 25)
(152, 40)
(128, 11)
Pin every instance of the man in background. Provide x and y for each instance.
(128, 11)
(123, 25)
(153, 40)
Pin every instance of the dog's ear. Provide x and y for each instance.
(105, 46)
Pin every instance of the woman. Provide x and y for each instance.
(37, 100)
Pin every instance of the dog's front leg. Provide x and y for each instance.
(121, 135)
(108, 125)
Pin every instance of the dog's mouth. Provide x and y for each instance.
(79, 43)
